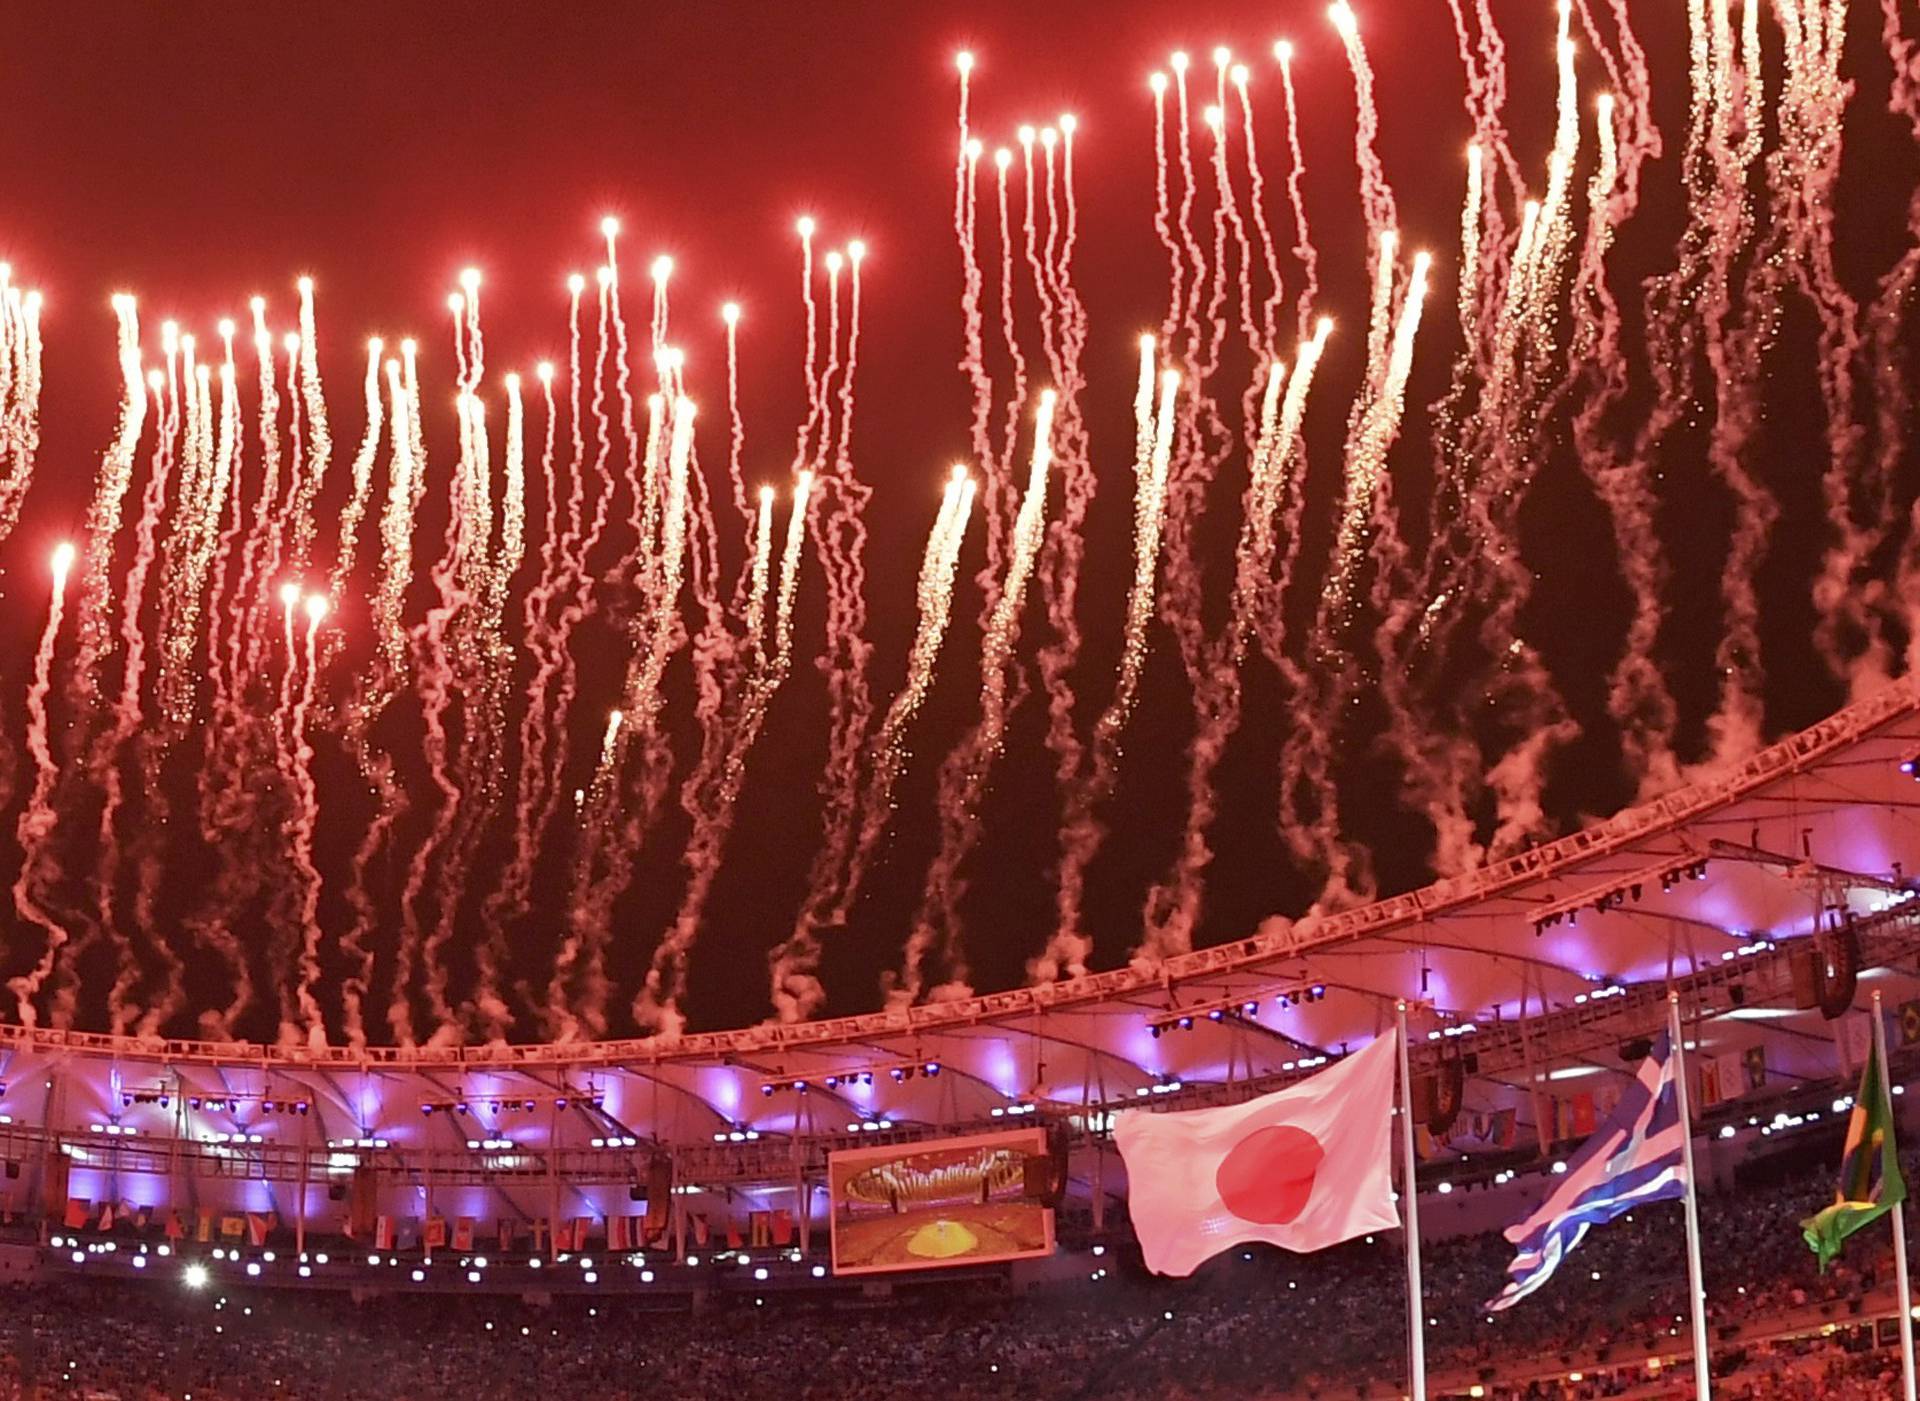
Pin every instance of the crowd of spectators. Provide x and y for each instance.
(1253, 1323)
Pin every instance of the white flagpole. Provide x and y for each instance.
(1902, 1285)
(1410, 1204)
(1696, 1286)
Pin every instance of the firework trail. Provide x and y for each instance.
(1376, 196)
(604, 863)
(105, 758)
(964, 775)
(1257, 204)
(1172, 908)
(841, 543)
(1163, 209)
(36, 821)
(998, 466)
(306, 818)
(545, 753)
(1081, 833)
(966, 167)
(711, 796)
(1303, 249)
(935, 597)
(737, 434)
(247, 615)
(319, 449)
(363, 462)
(430, 644)
(20, 359)
(103, 513)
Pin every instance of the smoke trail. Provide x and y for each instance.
(36, 821)
(841, 542)
(963, 777)
(711, 796)
(306, 817)
(1303, 248)
(605, 859)
(1081, 833)
(1257, 204)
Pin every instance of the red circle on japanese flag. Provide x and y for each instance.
(1267, 1177)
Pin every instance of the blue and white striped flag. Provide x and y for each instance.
(1632, 1159)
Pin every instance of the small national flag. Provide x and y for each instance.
(1632, 1159)
(79, 1213)
(1302, 1168)
(1910, 1023)
(435, 1234)
(619, 1233)
(463, 1233)
(505, 1232)
(383, 1233)
(260, 1225)
(1870, 1181)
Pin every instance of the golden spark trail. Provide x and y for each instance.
(103, 514)
(935, 598)
(963, 777)
(20, 359)
(313, 401)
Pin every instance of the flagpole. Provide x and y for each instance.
(1696, 1285)
(1410, 1200)
(1902, 1285)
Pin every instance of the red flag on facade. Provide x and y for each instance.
(260, 1225)
(619, 1233)
(505, 1233)
(383, 1233)
(176, 1228)
(734, 1242)
(79, 1212)
(435, 1235)
(107, 1217)
(463, 1233)
(782, 1226)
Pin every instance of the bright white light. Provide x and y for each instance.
(196, 1276)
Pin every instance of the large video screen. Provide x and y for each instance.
(950, 1201)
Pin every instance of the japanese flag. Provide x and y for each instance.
(1305, 1167)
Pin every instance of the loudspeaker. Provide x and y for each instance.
(636, 1193)
(1737, 994)
(1804, 963)
(1838, 971)
(1636, 1050)
(336, 1191)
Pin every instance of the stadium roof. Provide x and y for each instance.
(1710, 885)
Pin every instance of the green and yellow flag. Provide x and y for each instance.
(1870, 1182)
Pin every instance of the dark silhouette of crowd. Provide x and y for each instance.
(1252, 1323)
